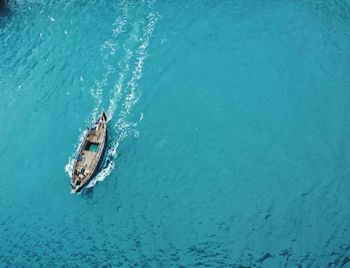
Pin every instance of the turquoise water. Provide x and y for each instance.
(229, 128)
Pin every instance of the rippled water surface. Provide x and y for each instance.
(229, 129)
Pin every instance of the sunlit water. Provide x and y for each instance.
(229, 129)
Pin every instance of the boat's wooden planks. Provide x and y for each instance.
(88, 160)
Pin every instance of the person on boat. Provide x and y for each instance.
(83, 169)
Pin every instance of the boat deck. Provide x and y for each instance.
(89, 157)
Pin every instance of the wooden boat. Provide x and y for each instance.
(90, 154)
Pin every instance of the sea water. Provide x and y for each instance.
(229, 133)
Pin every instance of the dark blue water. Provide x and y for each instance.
(229, 129)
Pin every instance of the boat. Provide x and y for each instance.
(90, 154)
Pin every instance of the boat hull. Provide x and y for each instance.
(96, 170)
(90, 155)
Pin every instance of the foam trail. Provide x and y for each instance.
(96, 93)
(132, 97)
(119, 85)
(123, 127)
(119, 27)
(111, 47)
